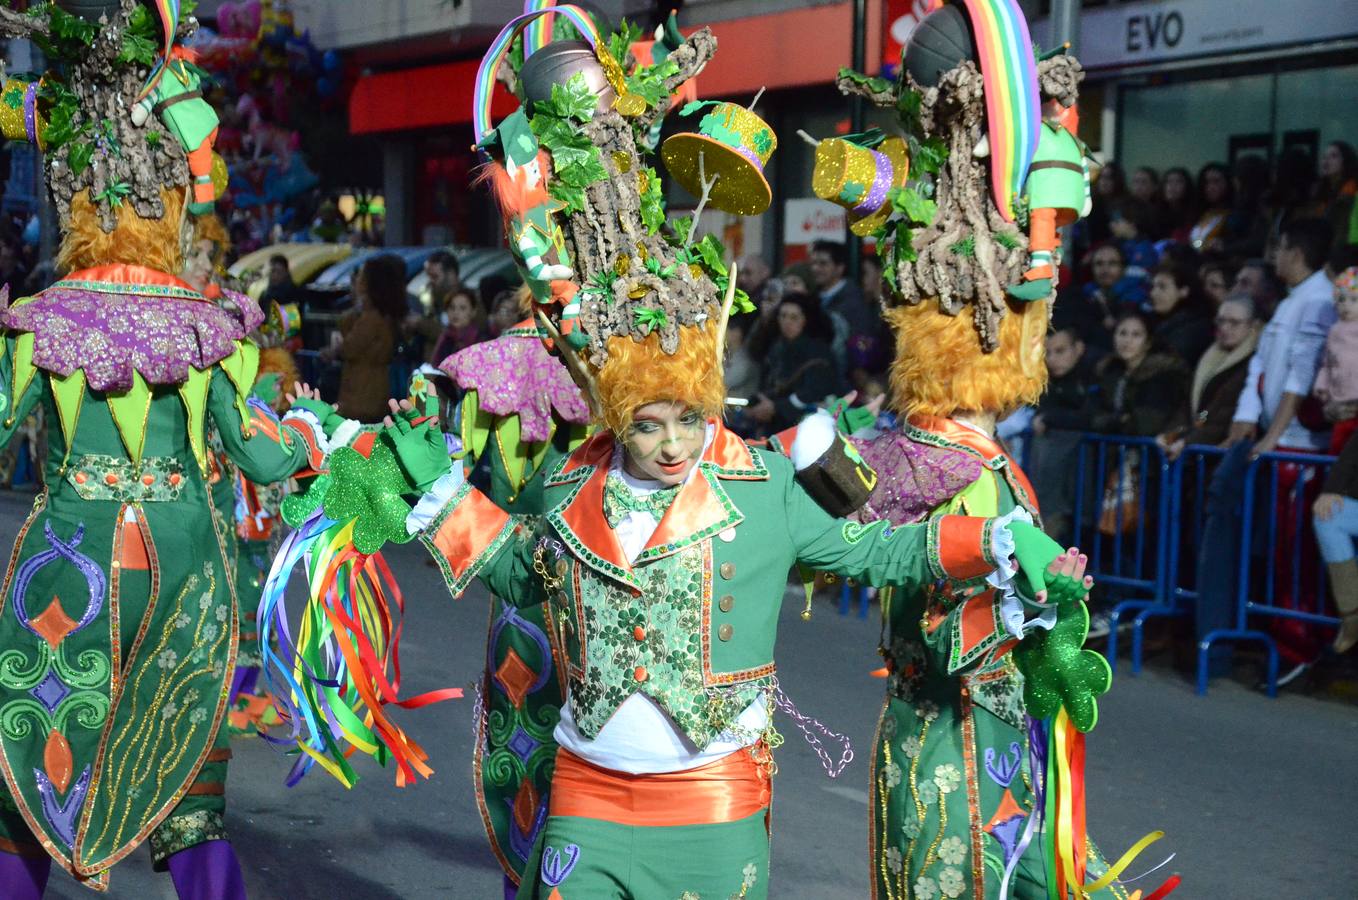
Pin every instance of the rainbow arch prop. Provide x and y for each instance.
(499, 49)
(1013, 108)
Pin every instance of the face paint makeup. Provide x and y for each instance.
(664, 442)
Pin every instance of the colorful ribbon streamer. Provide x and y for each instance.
(168, 11)
(333, 682)
(499, 49)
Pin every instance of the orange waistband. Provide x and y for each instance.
(732, 788)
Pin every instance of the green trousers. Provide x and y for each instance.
(591, 859)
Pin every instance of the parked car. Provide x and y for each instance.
(306, 262)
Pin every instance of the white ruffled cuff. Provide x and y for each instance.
(1013, 610)
(434, 499)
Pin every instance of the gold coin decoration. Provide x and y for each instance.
(622, 161)
(623, 265)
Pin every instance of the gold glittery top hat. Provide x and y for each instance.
(860, 178)
(734, 144)
(20, 118)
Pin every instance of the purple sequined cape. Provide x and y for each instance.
(516, 374)
(111, 329)
(913, 478)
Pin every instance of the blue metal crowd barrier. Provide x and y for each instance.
(1263, 600)
(1133, 560)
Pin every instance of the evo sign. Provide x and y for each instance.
(1132, 33)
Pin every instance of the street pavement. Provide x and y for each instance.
(1258, 797)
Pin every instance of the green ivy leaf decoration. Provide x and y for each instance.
(137, 49)
(621, 41)
(573, 100)
(877, 85)
(911, 202)
(648, 319)
(80, 156)
(711, 252)
(652, 202)
(114, 193)
(648, 82)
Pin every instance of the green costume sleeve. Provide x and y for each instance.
(264, 449)
(16, 400)
(878, 554)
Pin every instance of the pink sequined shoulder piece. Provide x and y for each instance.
(913, 478)
(514, 374)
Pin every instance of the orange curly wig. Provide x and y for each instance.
(940, 368)
(153, 243)
(639, 372)
(210, 228)
(276, 360)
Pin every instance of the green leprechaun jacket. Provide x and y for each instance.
(118, 621)
(691, 622)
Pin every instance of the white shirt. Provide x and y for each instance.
(641, 738)
(1287, 359)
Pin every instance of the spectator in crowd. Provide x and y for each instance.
(800, 370)
(742, 377)
(1337, 382)
(1141, 387)
(1217, 380)
(1214, 280)
(367, 338)
(1177, 209)
(1214, 208)
(1182, 323)
(752, 277)
(1281, 374)
(444, 276)
(1332, 197)
(797, 279)
(1260, 280)
(1107, 295)
(1247, 226)
(1290, 195)
(1284, 367)
(840, 298)
(466, 326)
(504, 313)
(1131, 226)
(1336, 524)
(12, 271)
(279, 288)
(1145, 185)
(1061, 415)
(1110, 190)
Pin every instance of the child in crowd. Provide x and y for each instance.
(1337, 382)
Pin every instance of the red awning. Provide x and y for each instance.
(781, 50)
(424, 97)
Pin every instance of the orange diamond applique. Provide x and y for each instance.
(53, 624)
(515, 677)
(1007, 811)
(56, 760)
(526, 806)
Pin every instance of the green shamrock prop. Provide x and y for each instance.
(297, 508)
(1056, 668)
(367, 490)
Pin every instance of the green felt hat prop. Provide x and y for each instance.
(512, 140)
(734, 144)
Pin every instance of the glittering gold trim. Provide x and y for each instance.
(973, 791)
(232, 636)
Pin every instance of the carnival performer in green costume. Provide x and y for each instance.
(520, 416)
(118, 620)
(977, 776)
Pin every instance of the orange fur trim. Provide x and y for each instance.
(640, 372)
(940, 368)
(153, 243)
(277, 360)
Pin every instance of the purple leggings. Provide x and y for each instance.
(207, 871)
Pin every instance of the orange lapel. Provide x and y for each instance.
(702, 507)
(579, 519)
(956, 433)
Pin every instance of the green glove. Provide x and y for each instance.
(1058, 672)
(326, 414)
(420, 448)
(849, 419)
(1034, 552)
